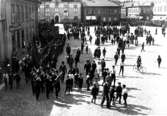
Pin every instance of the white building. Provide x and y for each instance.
(159, 9)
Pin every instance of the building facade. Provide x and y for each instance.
(21, 24)
(104, 11)
(60, 11)
(2, 29)
(159, 7)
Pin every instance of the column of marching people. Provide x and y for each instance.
(48, 79)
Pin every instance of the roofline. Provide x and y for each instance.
(100, 6)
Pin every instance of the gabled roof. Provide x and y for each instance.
(101, 2)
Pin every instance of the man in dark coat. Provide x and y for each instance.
(80, 82)
(94, 93)
(105, 94)
(87, 67)
(37, 87)
(123, 57)
(57, 86)
(104, 52)
(159, 61)
(94, 66)
(18, 79)
(63, 69)
(116, 56)
(119, 92)
(103, 65)
(68, 49)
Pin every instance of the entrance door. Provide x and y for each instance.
(56, 19)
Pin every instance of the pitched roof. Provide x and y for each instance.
(101, 2)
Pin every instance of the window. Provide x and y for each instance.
(104, 19)
(26, 12)
(115, 11)
(75, 8)
(66, 13)
(89, 12)
(22, 14)
(17, 14)
(29, 13)
(99, 11)
(56, 10)
(109, 19)
(12, 14)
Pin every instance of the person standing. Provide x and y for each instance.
(123, 57)
(103, 64)
(48, 85)
(18, 79)
(116, 56)
(125, 94)
(90, 39)
(87, 67)
(142, 49)
(104, 52)
(82, 47)
(6, 80)
(80, 82)
(11, 80)
(113, 75)
(57, 86)
(93, 68)
(94, 93)
(105, 94)
(87, 49)
(88, 82)
(68, 49)
(37, 87)
(63, 69)
(121, 68)
(119, 92)
(159, 60)
(112, 96)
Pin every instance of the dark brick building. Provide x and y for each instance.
(101, 11)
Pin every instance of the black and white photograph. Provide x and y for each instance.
(83, 57)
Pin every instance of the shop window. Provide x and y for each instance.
(12, 14)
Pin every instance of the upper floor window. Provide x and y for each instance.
(66, 13)
(12, 13)
(75, 8)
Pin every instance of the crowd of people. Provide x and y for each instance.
(47, 79)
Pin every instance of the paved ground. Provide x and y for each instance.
(147, 94)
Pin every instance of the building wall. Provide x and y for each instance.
(104, 14)
(2, 29)
(69, 11)
(159, 9)
(21, 24)
(66, 11)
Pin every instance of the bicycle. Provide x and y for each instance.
(139, 69)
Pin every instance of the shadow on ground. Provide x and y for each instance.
(131, 109)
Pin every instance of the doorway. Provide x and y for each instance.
(56, 19)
